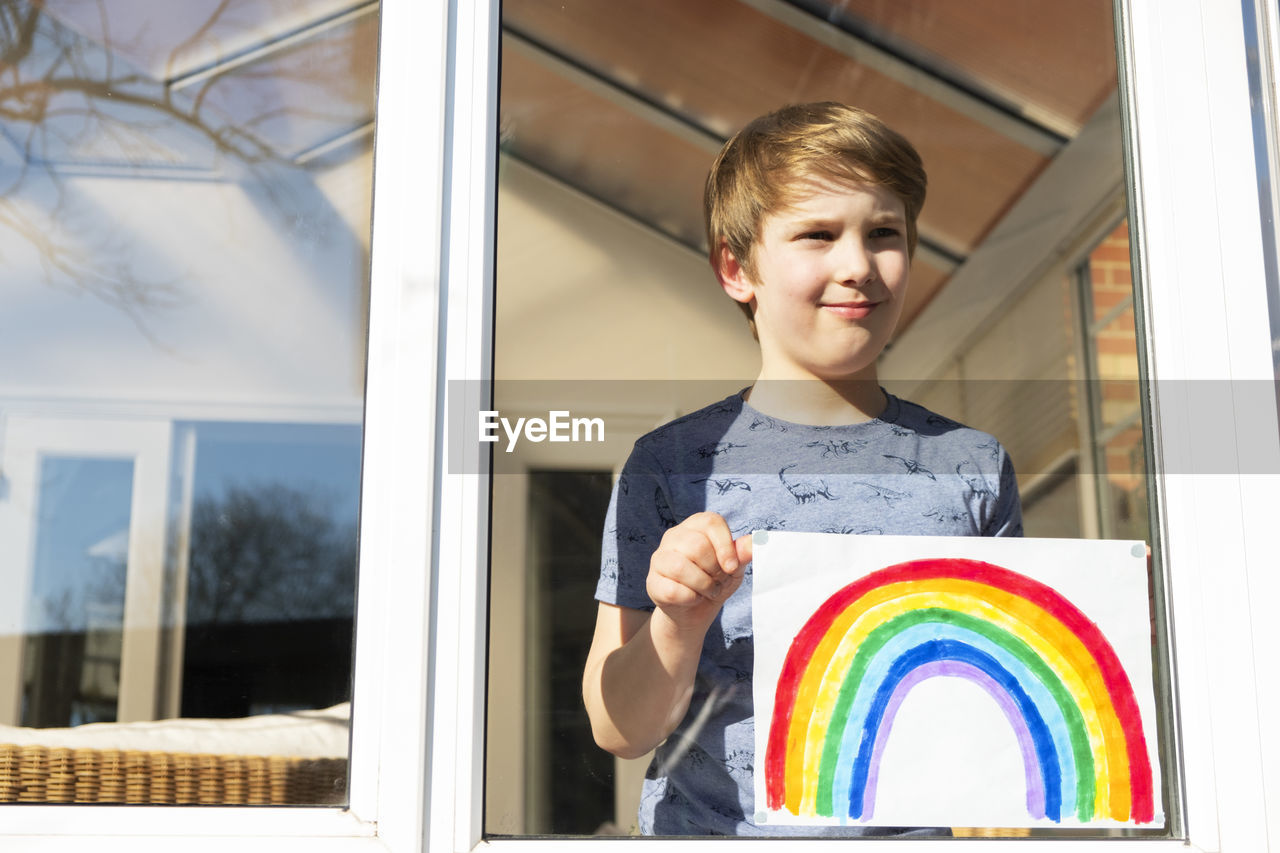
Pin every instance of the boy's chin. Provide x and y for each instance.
(851, 372)
(852, 378)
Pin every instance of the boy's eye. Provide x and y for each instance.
(884, 232)
(817, 235)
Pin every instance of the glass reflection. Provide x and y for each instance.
(75, 612)
(270, 568)
(184, 217)
(1111, 357)
(611, 115)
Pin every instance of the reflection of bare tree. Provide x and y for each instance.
(60, 91)
(268, 553)
(264, 554)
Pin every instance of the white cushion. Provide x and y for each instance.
(320, 733)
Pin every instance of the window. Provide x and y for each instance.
(418, 751)
(1032, 317)
(184, 210)
(601, 273)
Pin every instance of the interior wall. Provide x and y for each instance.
(584, 292)
(600, 315)
(1017, 383)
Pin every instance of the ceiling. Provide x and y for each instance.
(629, 102)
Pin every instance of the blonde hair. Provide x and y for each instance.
(762, 168)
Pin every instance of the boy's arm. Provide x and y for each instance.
(640, 671)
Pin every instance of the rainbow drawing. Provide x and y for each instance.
(1054, 675)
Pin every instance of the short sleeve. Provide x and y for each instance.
(1006, 520)
(639, 514)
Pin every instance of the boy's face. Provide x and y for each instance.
(830, 279)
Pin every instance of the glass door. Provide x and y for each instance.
(83, 522)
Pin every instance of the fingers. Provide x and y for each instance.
(704, 539)
(698, 555)
(743, 546)
(715, 530)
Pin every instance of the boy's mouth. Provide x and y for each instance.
(850, 310)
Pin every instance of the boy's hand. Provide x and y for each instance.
(697, 566)
(641, 668)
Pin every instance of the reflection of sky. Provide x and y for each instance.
(142, 252)
(163, 45)
(83, 503)
(191, 249)
(320, 459)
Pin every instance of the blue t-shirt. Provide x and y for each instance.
(908, 472)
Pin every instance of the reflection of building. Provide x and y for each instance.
(185, 238)
(100, 679)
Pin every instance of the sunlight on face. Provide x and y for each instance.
(830, 279)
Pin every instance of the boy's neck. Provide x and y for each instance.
(819, 402)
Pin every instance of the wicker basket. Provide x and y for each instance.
(38, 774)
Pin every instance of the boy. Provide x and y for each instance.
(811, 219)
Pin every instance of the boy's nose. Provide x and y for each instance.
(853, 263)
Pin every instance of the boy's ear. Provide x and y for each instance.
(732, 277)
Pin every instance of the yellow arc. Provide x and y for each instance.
(1060, 648)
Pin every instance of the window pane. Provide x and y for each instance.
(566, 510)
(1262, 33)
(1111, 353)
(185, 219)
(270, 568)
(71, 671)
(1018, 320)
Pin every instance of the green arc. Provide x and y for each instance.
(1078, 736)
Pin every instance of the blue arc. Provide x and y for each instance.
(942, 650)
(877, 671)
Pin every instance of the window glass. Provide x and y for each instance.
(1018, 319)
(71, 658)
(1111, 358)
(270, 568)
(566, 516)
(1262, 34)
(185, 218)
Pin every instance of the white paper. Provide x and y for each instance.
(973, 734)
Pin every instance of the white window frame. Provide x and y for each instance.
(1196, 219)
(417, 741)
